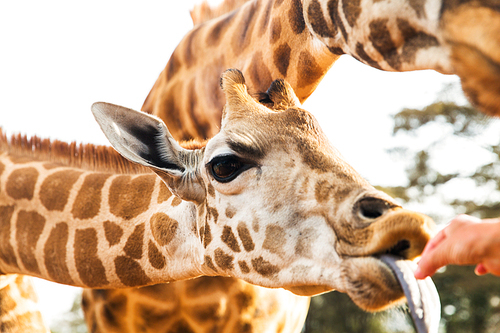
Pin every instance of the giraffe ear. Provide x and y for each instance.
(144, 139)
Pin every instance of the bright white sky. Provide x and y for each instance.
(58, 57)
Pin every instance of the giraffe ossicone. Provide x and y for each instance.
(272, 202)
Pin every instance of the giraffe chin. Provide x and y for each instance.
(371, 284)
(377, 283)
(309, 290)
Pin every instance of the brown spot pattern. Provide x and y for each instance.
(151, 318)
(156, 259)
(181, 326)
(265, 18)
(335, 17)
(55, 189)
(7, 254)
(352, 10)
(281, 58)
(211, 190)
(133, 246)
(223, 260)
(244, 327)
(243, 32)
(130, 197)
(205, 312)
(275, 239)
(200, 124)
(360, 50)
(176, 201)
(255, 224)
(173, 65)
(275, 32)
(55, 254)
(209, 263)
(419, 7)
(246, 238)
(29, 227)
(308, 70)
(325, 191)
(258, 71)
(50, 166)
(164, 193)
(317, 20)
(296, 17)
(88, 199)
(113, 232)
(208, 285)
(229, 239)
(163, 228)
(189, 57)
(264, 268)
(230, 211)
(130, 272)
(21, 183)
(88, 264)
(218, 30)
(380, 37)
(207, 235)
(414, 41)
(7, 303)
(244, 267)
(212, 213)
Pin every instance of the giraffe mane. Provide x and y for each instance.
(205, 12)
(79, 155)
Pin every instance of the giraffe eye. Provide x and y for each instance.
(226, 168)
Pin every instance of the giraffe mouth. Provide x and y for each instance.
(378, 268)
(378, 282)
(421, 295)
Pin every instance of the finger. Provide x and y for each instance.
(480, 270)
(433, 242)
(433, 259)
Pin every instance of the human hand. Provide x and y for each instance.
(466, 240)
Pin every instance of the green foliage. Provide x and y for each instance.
(463, 119)
(424, 178)
(470, 303)
(335, 313)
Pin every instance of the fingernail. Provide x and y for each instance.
(418, 273)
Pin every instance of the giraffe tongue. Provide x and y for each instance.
(422, 296)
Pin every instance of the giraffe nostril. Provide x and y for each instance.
(372, 208)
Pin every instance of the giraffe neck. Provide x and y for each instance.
(265, 39)
(87, 228)
(18, 306)
(299, 40)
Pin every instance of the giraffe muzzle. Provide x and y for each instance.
(387, 230)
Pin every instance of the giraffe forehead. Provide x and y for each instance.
(283, 130)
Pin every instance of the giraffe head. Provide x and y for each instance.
(275, 204)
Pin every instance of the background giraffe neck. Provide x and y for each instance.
(265, 39)
(88, 228)
(18, 308)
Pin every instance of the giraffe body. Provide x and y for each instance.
(207, 304)
(299, 40)
(107, 230)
